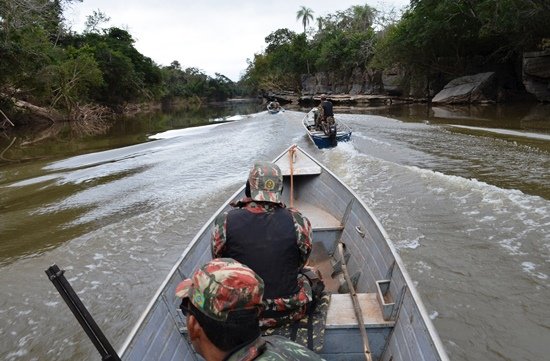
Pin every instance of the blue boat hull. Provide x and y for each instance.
(321, 139)
(325, 141)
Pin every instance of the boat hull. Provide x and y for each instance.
(322, 140)
(397, 326)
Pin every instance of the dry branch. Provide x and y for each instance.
(5, 121)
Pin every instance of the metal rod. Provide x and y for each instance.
(291, 153)
(356, 306)
(81, 313)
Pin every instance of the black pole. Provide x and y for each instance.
(81, 313)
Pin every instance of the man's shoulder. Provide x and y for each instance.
(221, 216)
(297, 214)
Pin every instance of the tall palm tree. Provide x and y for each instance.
(363, 16)
(306, 14)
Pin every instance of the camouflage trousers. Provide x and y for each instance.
(310, 330)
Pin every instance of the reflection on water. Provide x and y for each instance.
(65, 139)
(32, 199)
(518, 116)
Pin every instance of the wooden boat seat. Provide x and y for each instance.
(341, 314)
(326, 227)
(302, 166)
(342, 331)
(320, 220)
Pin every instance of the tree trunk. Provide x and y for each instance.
(41, 112)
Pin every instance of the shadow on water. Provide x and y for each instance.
(66, 139)
(37, 199)
(515, 116)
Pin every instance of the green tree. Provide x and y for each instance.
(94, 21)
(305, 15)
(128, 75)
(71, 81)
(449, 35)
(346, 40)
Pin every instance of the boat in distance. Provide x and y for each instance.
(273, 108)
(394, 325)
(321, 138)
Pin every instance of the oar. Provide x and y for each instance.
(356, 306)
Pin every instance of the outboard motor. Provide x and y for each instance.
(332, 134)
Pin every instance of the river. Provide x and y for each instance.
(463, 193)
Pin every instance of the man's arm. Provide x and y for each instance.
(218, 238)
(304, 238)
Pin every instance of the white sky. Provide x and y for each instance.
(215, 36)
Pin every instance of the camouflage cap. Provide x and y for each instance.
(266, 182)
(221, 286)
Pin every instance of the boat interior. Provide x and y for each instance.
(342, 318)
(373, 313)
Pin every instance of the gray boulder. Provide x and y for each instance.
(476, 88)
(536, 74)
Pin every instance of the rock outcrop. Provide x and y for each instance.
(478, 88)
(396, 84)
(536, 74)
(359, 82)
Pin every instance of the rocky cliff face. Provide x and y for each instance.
(329, 83)
(536, 74)
(498, 84)
(360, 82)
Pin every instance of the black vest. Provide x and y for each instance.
(327, 109)
(267, 243)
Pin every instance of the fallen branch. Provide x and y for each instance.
(49, 114)
(89, 119)
(6, 120)
(6, 149)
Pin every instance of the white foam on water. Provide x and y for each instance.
(17, 354)
(512, 215)
(530, 267)
(506, 132)
(185, 131)
(411, 244)
(235, 117)
(370, 139)
(513, 245)
(422, 266)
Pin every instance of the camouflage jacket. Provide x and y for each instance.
(273, 348)
(302, 225)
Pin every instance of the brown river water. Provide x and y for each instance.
(463, 193)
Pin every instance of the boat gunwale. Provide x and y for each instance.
(434, 336)
(174, 269)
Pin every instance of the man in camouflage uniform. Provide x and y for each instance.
(273, 240)
(222, 302)
(326, 115)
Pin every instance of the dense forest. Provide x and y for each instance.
(55, 73)
(49, 71)
(434, 40)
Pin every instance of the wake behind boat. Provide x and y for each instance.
(395, 323)
(324, 138)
